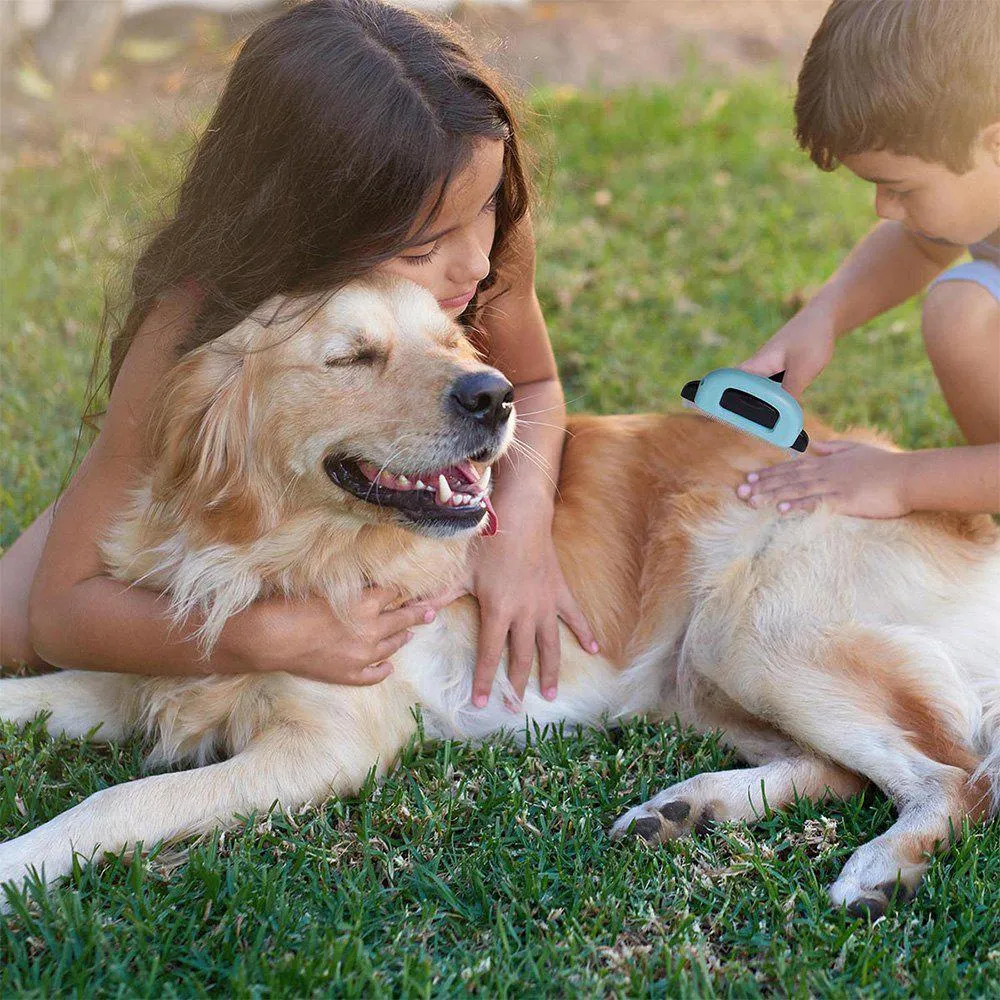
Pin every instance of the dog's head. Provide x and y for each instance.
(368, 404)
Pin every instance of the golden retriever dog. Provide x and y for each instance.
(318, 450)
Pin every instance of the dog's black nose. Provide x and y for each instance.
(484, 396)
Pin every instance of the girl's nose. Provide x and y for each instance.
(471, 265)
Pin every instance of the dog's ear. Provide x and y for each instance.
(203, 451)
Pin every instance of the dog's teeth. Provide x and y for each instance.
(444, 493)
(403, 481)
(484, 480)
(419, 485)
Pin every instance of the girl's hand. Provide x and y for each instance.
(305, 637)
(852, 478)
(802, 348)
(522, 593)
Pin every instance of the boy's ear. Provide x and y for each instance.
(990, 138)
(205, 471)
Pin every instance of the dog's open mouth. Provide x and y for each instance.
(454, 497)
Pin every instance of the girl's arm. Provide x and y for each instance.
(517, 579)
(80, 617)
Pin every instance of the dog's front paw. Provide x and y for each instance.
(664, 817)
(14, 869)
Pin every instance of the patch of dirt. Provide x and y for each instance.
(615, 43)
(170, 62)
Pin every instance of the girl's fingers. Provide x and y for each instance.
(569, 611)
(384, 649)
(492, 635)
(447, 596)
(391, 622)
(522, 653)
(374, 673)
(381, 597)
(548, 660)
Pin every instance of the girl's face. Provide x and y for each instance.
(456, 258)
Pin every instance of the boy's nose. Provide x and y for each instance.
(887, 206)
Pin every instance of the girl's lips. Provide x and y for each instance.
(461, 300)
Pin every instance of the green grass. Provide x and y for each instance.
(487, 869)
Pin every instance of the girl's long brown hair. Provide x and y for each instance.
(338, 122)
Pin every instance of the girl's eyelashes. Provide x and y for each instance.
(422, 258)
(425, 258)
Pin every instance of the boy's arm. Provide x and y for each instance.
(887, 267)
(963, 479)
(864, 480)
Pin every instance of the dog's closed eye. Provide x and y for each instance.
(364, 356)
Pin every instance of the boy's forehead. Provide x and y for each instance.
(881, 166)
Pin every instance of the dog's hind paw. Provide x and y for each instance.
(872, 902)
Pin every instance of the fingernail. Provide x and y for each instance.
(743, 491)
(409, 635)
(479, 700)
(594, 648)
(783, 506)
(752, 477)
(549, 694)
(429, 615)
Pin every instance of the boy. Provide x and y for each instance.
(906, 95)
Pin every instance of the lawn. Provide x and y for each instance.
(677, 230)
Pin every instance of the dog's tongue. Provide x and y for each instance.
(465, 471)
(492, 522)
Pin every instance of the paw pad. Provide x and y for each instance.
(647, 827)
(675, 812)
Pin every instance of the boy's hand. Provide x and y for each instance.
(802, 348)
(852, 478)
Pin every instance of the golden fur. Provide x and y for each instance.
(829, 650)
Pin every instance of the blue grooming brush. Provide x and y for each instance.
(750, 403)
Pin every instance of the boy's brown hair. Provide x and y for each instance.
(915, 77)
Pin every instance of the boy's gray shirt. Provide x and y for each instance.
(988, 249)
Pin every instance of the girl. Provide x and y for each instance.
(351, 137)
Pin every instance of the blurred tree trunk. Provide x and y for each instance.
(10, 30)
(75, 38)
